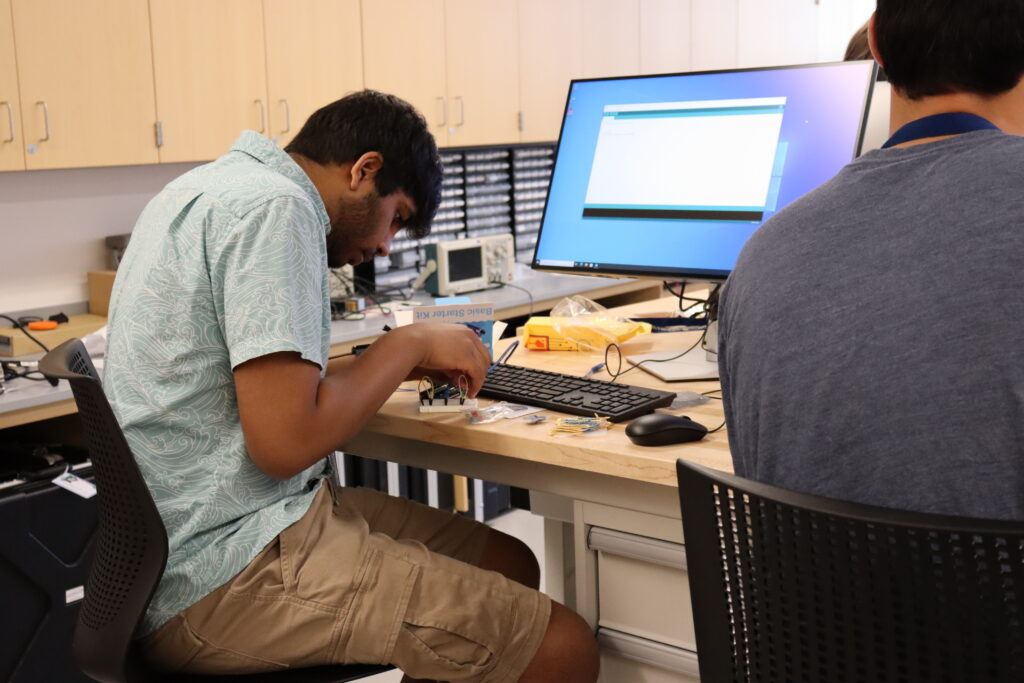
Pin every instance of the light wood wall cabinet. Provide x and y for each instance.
(482, 58)
(664, 36)
(211, 77)
(776, 32)
(12, 157)
(550, 55)
(713, 34)
(611, 38)
(110, 82)
(314, 56)
(86, 82)
(454, 60)
(403, 54)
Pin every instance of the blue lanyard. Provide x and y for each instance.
(939, 125)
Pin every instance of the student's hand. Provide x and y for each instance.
(438, 377)
(448, 350)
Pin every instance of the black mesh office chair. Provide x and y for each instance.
(792, 587)
(131, 549)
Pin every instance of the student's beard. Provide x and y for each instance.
(356, 223)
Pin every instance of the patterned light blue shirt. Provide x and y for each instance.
(226, 264)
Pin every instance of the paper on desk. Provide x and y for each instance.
(96, 343)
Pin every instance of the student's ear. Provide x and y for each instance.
(872, 45)
(365, 168)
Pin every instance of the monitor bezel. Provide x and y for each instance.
(678, 274)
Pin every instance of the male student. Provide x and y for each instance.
(218, 371)
(870, 334)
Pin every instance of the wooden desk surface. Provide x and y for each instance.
(610, 453)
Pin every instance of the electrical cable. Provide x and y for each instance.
(619, 371)
(712, 431)
(521, 289)
(10, 372)
(21, 326)
(681, 294)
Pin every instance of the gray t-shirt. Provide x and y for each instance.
(871, 333)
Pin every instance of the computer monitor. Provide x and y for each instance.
(667, 176)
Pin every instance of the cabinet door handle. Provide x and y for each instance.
(462, 110)
(10, 121)
(46, 121)
(444, 111)
(287, 116)
(263, 116)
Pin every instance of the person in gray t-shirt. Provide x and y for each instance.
(872, 333)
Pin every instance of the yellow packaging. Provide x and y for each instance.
(544, 333)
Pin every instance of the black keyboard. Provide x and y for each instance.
(570, 394)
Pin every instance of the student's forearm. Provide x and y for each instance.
(290, 431)
(291, 416)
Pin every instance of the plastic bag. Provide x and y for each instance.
(578, 324)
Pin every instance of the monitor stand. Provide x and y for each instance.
(693, 365)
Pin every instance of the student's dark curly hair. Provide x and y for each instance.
(936, 47)
(370, 121)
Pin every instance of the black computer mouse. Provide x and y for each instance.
(659, 429)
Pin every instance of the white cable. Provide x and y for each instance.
(428, 269)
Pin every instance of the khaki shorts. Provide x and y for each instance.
(364, 579)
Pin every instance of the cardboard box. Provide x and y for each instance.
(14, 342)
(100, 284)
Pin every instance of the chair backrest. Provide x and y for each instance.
(794, 587)
(131, 547)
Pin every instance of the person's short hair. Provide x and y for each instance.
(858, 47)
(370, 121)
(937, 47)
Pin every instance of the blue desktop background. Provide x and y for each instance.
(824, 112)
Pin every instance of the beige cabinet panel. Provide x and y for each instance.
(314, 56)
(482, 54)
(775, 32)
(713, 34)
(664, 36)
(86, 77)
(403, 54)
(611, 37)
(550, 55)
(12, 157)
(211, 77)
(838, 20)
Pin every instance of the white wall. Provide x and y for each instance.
(52, 225)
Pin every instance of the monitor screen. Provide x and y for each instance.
(465, 264)
(667, 176)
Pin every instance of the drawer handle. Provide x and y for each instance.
(46, 121)
(287, 117)
(646, 651)
(462, 110)
(640, 548)
(10, 121)
(443, 109)
(263, 116)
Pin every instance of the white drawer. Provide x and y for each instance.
(643, 587)
(629, 659)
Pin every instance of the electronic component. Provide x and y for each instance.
(342, 283)
(467, 265)
(645, 180)
(570, 394)
(447, 398)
